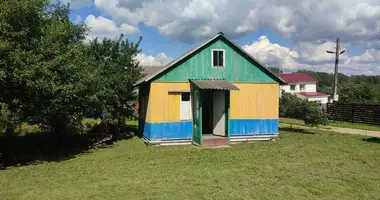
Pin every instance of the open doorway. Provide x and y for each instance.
(213, 112)
(207, 110)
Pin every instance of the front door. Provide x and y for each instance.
(219, 106)
(196, 107)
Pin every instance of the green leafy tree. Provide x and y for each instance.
(275, 70)
(45, 71)
(292, 106)
(118, 70)
(359, 93)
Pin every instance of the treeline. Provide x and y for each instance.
(359, 89)
(51, 75)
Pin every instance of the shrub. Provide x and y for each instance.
(25, 128)
(314, 116)
(89, 123)
(293, 107)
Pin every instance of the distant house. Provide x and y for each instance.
(213, 94)
(304, 86)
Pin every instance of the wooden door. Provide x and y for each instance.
(219, 106)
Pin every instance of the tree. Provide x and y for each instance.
(275, 70)
(360, 93)
(118, 70)
(292, 106)
(45, 71)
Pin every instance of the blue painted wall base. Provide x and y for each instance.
(184, 130)
(243, 127)
(167, 130)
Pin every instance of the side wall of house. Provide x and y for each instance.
(163, 112)
(254, 109)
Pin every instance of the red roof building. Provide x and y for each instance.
(304, 86)
(313, 94)
(297, 77)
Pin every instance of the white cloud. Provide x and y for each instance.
(102, 27)
(313, 57)
(78, 3)
(78, 19)
(355, 21)
(272, 54)
(370, 55)
(158, 60)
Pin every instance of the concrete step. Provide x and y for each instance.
(214, 141)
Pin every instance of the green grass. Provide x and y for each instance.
(355, 126)
(300, 166)
(333, 124)
(292, 121)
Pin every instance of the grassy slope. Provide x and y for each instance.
(299, 166)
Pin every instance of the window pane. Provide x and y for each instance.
(292, 87)
(185, 96)
(215, 58)
(221, 58)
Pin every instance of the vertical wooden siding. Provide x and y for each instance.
(237, 69)
(255, 101)
(162, 106)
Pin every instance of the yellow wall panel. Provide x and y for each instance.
(164, 101)
(255, 101)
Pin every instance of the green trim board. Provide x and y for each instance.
(197, 63)
(196, 105)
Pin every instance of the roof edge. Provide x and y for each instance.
(183, 56)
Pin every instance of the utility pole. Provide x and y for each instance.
(337, 53)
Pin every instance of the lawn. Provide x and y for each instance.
(334, 124)
(309, 165)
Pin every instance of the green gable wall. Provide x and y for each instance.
(238, 67)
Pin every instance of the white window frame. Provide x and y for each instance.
(295, 87)
(189, 115)
(212, 58)
(304, 87)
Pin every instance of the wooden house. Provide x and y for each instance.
(214, 94)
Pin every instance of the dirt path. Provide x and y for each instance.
(344, 130)
(356, 131)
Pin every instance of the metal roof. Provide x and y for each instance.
(217, 84)
(313, 94)
(191, 51)
(297, 77)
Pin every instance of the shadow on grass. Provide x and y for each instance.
(372, 140)
(35, 148)
(296, 130)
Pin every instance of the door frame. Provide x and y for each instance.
(196, 108)
(197, 125)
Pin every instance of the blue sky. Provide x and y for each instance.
(287, 34)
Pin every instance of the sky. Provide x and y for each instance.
(290, 34)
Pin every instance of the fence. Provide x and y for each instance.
(356, 113)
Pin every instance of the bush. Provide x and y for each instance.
(89, 123)
(293, 107)
(25, 128)
(314, 116)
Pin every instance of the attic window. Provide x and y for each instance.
(217, 57)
